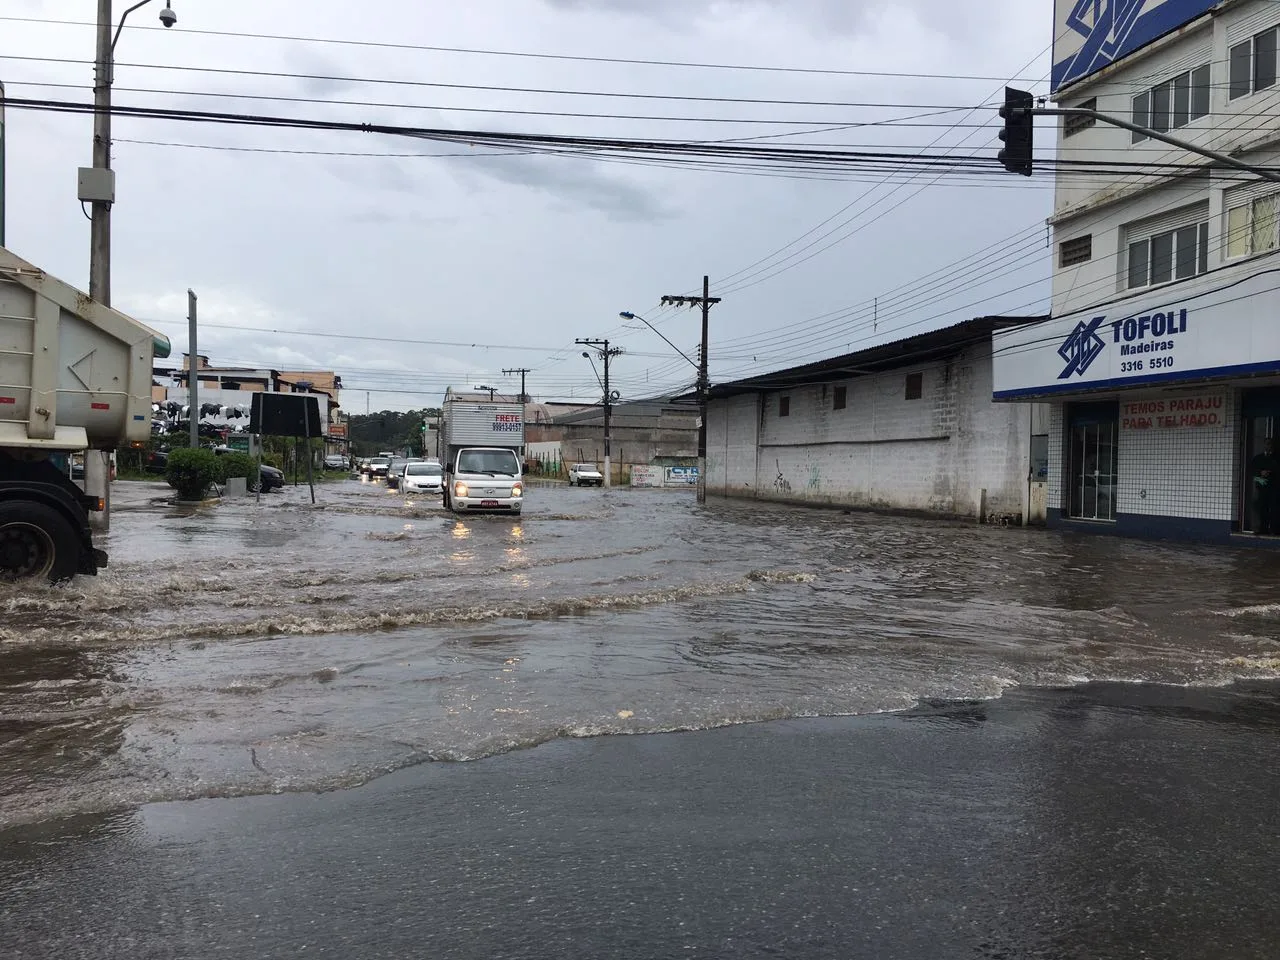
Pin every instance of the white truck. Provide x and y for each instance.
(75, 376)
(482, 445)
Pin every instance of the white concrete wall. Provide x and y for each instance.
(935, 454)
(733, 432)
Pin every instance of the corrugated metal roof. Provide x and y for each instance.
(921, 348)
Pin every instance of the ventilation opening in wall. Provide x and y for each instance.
(915, 386)
(840, 398)
(784, 406)
(1076, 250)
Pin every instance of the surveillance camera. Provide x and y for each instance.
(168, 17)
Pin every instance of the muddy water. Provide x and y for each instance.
(279, 646)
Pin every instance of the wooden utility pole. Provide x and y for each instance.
(523, 371)
(705, 302)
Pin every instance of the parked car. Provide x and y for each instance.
(270, 478)
(585, 475)
(422, 477)
(335, 461)
(156, 461)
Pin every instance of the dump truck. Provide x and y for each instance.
(482, 446)
(75, 376)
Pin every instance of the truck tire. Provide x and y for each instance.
(36, 541)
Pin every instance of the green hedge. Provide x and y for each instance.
(191, 471)
(237, 465)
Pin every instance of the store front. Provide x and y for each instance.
(1163, 416)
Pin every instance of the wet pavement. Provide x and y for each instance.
(275, 647)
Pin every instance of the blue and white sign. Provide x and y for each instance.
(1091, 34)
(1220, 330)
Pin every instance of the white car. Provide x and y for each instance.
(585, 475)
(422, 478)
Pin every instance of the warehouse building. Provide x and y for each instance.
(906, 426)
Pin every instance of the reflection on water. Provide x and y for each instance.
(271, 647)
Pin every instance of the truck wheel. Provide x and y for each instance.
(36, 541)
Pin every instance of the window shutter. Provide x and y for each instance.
(1246, 27)
(1169, 220)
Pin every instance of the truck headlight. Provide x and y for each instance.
(517, 489)
(460, 489)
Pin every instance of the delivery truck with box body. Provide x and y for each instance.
(482, 449)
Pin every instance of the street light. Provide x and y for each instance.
(628, 315)
(97, 183)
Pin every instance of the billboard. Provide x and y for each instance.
(1158, 337)
(1091, 34)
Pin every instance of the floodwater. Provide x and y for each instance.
(259, 648)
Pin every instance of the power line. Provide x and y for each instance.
(818, 71)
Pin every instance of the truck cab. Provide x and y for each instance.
(484, 480)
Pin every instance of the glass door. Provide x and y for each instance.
(1092, 467)
(1258, 479)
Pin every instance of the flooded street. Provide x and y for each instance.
(222, 747)
(263, 648)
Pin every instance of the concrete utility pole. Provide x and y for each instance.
(1, 164)
(705, 301)
(606, 353)
(97, 186)
(193, 378)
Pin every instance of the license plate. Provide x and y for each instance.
(488, 503)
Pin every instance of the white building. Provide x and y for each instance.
(1162, 360)
(904, 426)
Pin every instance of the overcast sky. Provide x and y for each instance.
(321, 232)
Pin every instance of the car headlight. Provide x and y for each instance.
(517, 489)
(460, 489)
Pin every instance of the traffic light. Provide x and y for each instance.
(1017, 132)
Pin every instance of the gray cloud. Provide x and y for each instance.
(575, 182)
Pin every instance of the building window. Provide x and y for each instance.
(1073, 125)
(1172, 255)
(1174, 103)
(1252, 227)
(915, 386)
(1253, 64)
(839, 398)
(1076, 250)
(784, 406)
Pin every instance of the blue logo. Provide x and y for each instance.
(1081, 348)
(1112, 29)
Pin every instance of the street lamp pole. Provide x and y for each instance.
(100, 190)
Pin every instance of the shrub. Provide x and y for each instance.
(237, 465)
(191, 471)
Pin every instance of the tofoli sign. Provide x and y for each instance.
(1153, 338)
(1089, 35)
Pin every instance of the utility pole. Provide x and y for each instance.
(100, 232)
(1, 164)
(523, 371)
(606, 353)
(193, 379)
(705, 301)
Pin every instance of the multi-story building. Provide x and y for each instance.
(1161, 360)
